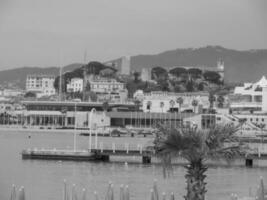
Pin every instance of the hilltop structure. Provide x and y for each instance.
(122, 65)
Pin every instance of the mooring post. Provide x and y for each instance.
(127, 147)
(141, 149)
(113, 147)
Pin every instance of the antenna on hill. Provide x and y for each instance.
(60, 79)
(84, 72)
(85, 56)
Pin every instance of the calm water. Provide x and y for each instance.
(43, 180)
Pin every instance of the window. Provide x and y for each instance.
(257, 119)
(262, 119)
(251, 119)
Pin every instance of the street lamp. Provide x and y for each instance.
(75, 127)
(90, 130)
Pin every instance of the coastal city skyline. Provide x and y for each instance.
(133, 100)
(71, 28)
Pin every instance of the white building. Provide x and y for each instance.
(250, 97)
(106, 85)
(165, 101)
(42, 85)
(109, 90)
(75, 85)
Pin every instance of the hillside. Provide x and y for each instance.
(18, 76)
(239, 65)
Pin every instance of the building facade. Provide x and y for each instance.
(250, 97)
(75, 85)
(109, 90)
(167, 101)
(122, 65)
(42, 85)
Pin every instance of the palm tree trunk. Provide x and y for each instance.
(196, 187)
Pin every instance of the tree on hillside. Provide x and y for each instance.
(95, 68)
(194, 73)
(163, 85)
(30, 95)
(212, 76)
(196, 147)
(178, 71)
(190, 86)
(136, 76)
(220, 100)
(159, 73)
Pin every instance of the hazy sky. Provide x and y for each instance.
(36, 32)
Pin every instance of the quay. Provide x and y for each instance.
(95, 154)
(257, 157)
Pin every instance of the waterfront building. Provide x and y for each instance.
(251, 97)
(65, 114)
(108, 89)
(168, 101)
(42, 85)
(75, 85)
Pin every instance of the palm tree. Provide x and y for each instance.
(172, 103)
(195, 104)
(105, 106)
(212, 99)
(161, 105)
(137, 104)
(180, 101)
(148, 105)
(196, 147)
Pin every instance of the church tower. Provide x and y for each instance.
(220, 69)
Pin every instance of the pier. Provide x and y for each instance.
(94, 154)
(257, 157)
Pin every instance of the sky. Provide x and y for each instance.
(58, 32)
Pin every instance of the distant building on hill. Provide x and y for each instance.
(122, 64)
(42, 85)
(75, 85)
(108, 89)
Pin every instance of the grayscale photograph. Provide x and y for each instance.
(133, 99)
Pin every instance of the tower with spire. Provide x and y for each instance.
(220, 68)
